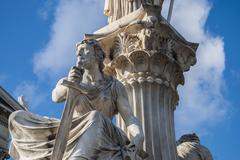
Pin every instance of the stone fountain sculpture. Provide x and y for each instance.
(92, 99)
(144, 58)
(147, 54)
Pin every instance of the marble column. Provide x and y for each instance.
(149, 57)
(151, 75)
(151, 80)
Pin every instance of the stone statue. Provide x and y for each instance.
(93, 136)
(115, 9)
(189, 148)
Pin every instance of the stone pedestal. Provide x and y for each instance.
(149, 57)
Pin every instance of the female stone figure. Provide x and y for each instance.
(190, 148)
(93, 136)
(115, 9)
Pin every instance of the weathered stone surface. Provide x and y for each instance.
(90, 133)
(145, 53)
(189, 148)
(115, 9)
(149, 57)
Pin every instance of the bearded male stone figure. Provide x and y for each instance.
(93, 136)
(115, 9)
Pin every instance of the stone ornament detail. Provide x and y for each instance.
(147, 56)
(124, 44)
(150, 35)
(189, 148)
(140, 66)
(154, 40)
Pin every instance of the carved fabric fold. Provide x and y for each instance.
(92, 135)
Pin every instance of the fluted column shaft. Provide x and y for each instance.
(154, 104)
(151, 79)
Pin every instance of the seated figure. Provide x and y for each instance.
(93, 136)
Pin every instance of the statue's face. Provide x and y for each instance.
(86, 56)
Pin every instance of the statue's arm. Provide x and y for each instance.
(59, 92)
(134, 126)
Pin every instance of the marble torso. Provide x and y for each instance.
(100, 97)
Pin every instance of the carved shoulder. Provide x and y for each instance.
(59, 92)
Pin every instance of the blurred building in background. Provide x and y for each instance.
(7, 105)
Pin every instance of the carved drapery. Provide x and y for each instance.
(115, 9)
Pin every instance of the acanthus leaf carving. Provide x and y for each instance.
(125, 44)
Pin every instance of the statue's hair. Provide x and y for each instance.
(188, 138)
(99, 53)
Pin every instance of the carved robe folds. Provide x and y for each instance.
(115, 9)
(93, 136)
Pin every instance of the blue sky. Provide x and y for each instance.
(37, 39)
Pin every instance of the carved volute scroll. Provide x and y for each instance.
(146, 56)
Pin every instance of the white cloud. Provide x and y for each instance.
(202, 101)
(73, 18)
(33, 94)
(46, 9)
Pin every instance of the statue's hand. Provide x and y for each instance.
(75, 75)
(137, 143)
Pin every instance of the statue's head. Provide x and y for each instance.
(189, 138)
(89, 53)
